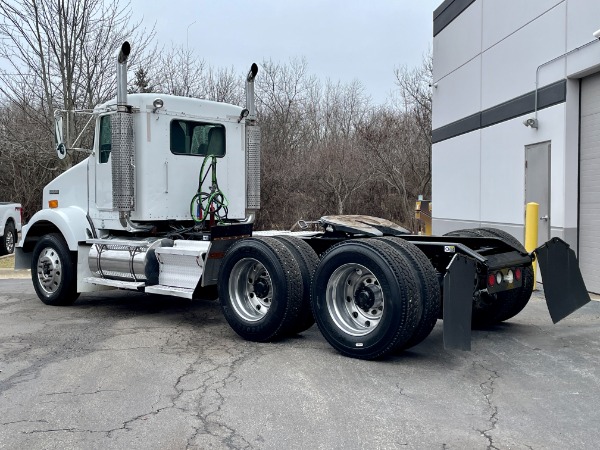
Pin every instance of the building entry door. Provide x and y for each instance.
(537, 184)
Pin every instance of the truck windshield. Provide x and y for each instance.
(197, 138)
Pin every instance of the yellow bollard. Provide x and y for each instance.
(531, 232)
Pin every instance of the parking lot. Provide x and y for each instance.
(128, 370)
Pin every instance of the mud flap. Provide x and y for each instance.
(459, 285)
(563, 284)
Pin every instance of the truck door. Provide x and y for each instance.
(103, 166)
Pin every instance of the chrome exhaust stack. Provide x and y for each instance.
(122, 75)
(252, 149)
(123, 150)
(250, 103)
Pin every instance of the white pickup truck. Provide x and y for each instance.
(11, 215)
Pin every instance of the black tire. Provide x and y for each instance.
(9, 239)
(488, 311)
(485, 307)
(513, 301)
(307, 260)
(381, 313)
(54, 271)
(258, 275)
(429, 285)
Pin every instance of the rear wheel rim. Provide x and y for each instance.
(355, 299)
(9, 242)
(49, 271)
(250, 289)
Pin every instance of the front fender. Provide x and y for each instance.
(71, 222)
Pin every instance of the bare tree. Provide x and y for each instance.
(181, 73)
(224, 85)
(57, 54)
(415, 92)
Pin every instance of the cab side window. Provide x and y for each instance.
(105, 140)
(197, 138)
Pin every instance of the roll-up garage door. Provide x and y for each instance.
(589, 183)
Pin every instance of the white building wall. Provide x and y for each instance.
(489, 55)
(509, 66)
(457, 159)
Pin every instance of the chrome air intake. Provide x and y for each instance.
(123, 161)
(252, 167)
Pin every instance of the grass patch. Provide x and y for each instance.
(8, 262)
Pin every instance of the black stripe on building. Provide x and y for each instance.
(447, 12)
(550, 95)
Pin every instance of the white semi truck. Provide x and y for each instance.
(165, 204)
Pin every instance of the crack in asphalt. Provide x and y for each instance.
(23, 421)
(84, 393)
(213, 383)
(487, 387)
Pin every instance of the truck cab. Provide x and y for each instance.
(165, 175)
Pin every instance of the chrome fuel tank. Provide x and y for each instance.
(126, 259)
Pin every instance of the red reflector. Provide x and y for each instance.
(491, 279)
(518, 274)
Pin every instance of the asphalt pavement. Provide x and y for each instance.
(137, 371)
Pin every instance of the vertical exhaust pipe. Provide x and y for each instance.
(252, 149)
(250, 103)
(122, 75)
(123, 151)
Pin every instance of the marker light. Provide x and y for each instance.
(509, 277)
(518, 274)
(53, 203)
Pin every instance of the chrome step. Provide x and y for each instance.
(170, 290)
(132, 285)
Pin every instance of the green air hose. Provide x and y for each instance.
(200, 206)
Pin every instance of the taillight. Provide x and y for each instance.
(491, 279)
(20, 209)
(518, 274)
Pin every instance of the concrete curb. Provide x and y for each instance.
(6, 274)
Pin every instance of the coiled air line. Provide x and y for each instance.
(214, 202)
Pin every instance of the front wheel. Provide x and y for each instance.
(8, 241)
(54, 271)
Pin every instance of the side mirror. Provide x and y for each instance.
(61, 150)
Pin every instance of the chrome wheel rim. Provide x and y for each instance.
(9, 242)
(49, 271)
(250, 289)
(355, 299)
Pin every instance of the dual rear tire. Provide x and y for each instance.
(369, 297)
(372, 297)
(263, 287)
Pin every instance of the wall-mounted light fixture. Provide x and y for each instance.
(531, 122)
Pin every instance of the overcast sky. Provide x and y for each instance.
(340, 39)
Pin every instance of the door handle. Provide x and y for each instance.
(545, 217)
(166, 177)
